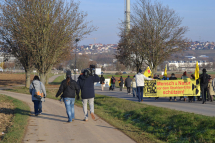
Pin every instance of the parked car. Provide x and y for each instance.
(124, 73)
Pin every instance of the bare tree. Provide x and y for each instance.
(47, 28)
(154, 36)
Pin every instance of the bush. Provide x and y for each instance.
(118, 73)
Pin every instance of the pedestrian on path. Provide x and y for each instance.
(121, 83)
(134, 87)
(204, 77)
(140, 84)
(69, 88)
(210, 89)
(184, 77)
(38, 93)
(172, 78)
(113, 80)
(86, 83)
(128, 84)
(102, 82)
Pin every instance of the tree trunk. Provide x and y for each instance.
(43, 78)
(27, 78)
(47, 79)
(154, 70)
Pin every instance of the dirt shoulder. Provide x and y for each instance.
(6, 115)
(7, 79)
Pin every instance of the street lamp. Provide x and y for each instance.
(76, 40)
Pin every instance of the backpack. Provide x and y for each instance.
(113, 80)
(38, 94)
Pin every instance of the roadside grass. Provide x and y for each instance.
(16, 132)
(145, 123)
(58, 80)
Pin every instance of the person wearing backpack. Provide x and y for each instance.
(38, 93)
(113, 80)
(86, 82)
(69, 88)
(204, 84)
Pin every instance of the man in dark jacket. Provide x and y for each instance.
(172, 78)
(204, 84)
(102, 82)
(86, 82)
(128, 84)
(113, 80)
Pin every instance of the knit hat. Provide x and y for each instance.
(68, 73)
(140, 70)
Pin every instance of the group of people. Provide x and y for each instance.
(68, 90)
(136, 84)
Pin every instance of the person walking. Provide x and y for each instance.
(128, 84)
(86, 83)
(140, 84)
(121, 83)
(38, 94)
(210, 89)
(102, 82)
(113, 80)
(69, 88)
(134, 87)
(184, 77)
(204, 84)
(172, 78)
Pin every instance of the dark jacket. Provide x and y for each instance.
(173, 78)
(87, 86)
(112, 82)
(68, 90)
(128, 82)
(102, 80)
(121, 83)
(204, 79)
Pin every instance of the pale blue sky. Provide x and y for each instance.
(199, 16)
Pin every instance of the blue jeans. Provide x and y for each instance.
(140, 92)
(134, 92)
(113, 86)
(37, 106)
(69, 104)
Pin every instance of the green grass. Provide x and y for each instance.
(58, 80)
(16, 132)
(145, 123)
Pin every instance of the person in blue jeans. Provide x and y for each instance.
(69, 88)
(140, 84)
(37, 86)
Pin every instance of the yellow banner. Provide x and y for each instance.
(171, 88)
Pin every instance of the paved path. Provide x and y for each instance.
(197, 107)
(51, 126)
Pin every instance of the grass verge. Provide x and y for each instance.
(16, 132)
(145, 123)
